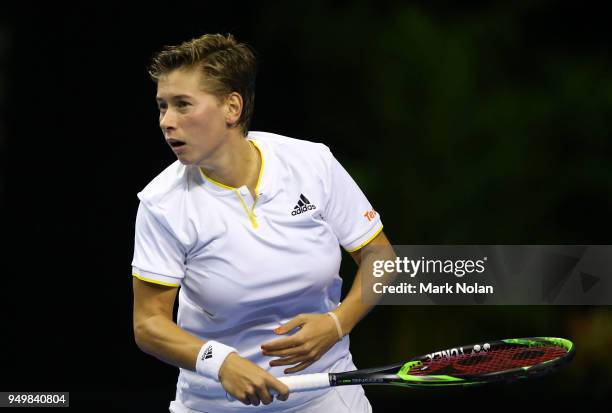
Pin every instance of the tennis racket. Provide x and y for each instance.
(474, 364)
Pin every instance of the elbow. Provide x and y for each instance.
(141, 334)
(148, 331)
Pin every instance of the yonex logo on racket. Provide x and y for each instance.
(453, 352)
(456, 352)
(207, 353)
(303, 205)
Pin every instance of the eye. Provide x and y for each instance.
(182, 104)
(161, 106)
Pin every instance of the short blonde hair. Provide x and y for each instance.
(227, 66)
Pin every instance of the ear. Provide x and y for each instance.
(233, 108)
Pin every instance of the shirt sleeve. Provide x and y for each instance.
(158, 256)
(348, 211)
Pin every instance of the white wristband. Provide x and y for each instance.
(211, 357)
(337, 322)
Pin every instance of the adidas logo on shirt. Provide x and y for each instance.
(207, 353)
(303, 205)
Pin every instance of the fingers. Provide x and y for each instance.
(299, 367)
(281, 389)
(293, 355)
(248, 382)
(287, 342)
(287, 361)
(264, 394)
(295, 347)
(257, 393)
(282, 344)
(244, 397)
(253, 399)
(283, 397)
(292, 324)
(304, 347)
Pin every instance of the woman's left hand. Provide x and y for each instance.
(317, 334)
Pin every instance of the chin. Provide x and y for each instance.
(185, 160)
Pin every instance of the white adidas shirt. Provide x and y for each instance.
(244, 269)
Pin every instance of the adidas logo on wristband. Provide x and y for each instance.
(209, 362)
(207, 353)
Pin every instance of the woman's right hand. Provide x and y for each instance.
(248, 382)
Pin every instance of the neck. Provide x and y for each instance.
(235, 163)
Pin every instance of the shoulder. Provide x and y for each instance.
(287, 143)
(292, 150)
(168, 187)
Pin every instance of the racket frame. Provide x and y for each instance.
(397, 374)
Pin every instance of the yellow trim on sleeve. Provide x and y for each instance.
(140, 277)
(368, 241)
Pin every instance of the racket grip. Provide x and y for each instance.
(296, 384)
(306, 382)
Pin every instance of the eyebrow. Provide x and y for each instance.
(158, 99)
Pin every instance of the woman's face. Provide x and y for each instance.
(192, 120)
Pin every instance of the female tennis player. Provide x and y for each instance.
(245, 227)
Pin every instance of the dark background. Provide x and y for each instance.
(486, 122)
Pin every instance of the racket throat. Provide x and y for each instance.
(358, 378)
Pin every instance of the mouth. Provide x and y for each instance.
(175, 143)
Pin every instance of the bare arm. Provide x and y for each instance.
(157, 334)
(353, 308)
(154, 329)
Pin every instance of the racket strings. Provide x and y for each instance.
(495, 360)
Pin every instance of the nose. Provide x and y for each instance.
(167, 120)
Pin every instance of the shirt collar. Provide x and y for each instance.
(268, 181)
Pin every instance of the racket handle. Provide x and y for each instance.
(296, 384)
(306, 382)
